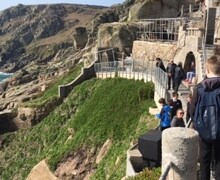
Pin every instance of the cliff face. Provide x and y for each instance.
(37, 33)
(41, 42)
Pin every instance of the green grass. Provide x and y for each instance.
(51, 93)
(149, 174)
(97, 110)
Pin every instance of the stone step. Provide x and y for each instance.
(190, 87)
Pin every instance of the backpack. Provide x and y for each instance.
(207, 114)
(166, 116)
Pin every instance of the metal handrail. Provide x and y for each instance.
(191, 8)
(167, 169)
(161, 80)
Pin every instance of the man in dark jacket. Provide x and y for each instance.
(178, 76)
(171, 72)
(208, 150)
(177, 103)
(160, 64)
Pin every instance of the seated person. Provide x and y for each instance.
(177, 120)
(190, 74)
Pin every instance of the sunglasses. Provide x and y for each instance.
(181, 113)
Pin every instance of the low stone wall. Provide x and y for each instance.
(87, 73)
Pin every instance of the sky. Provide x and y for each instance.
(8, 3)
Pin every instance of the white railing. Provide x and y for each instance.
(198, 32)
(160, 29)
(134, 69)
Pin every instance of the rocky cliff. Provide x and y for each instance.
(42, 42)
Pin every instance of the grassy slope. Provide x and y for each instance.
(96, 110)
(52, 91)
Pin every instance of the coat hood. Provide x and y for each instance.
(211, 83)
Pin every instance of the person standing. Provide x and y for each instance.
(178, 76)
(170, 103)
(188, 106)
(164, 115)
(177, 103)
(170, 73)
(205, 108)
(160, 64)
(177, 120)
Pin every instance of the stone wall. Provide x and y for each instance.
(87, 73)
(192, 44)
(217, 30)
(143, 50)
(150, 50)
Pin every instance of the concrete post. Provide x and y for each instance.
(180, 146)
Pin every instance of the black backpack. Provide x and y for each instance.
(207, 114)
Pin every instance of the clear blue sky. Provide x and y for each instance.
(8, 3)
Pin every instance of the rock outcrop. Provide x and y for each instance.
(144, 9)
(41, 171)
(120, 35)
(6, 121)
(27, 25)
(80, 37)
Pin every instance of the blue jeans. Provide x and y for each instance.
(190, 75)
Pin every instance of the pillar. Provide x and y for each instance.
(180, 145)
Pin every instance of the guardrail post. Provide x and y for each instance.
(180, 146)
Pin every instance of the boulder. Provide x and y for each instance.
(107, 16)
(104, 150)
(146, 9)
(87, 59)
(80, 37)
(41, 171)
(117, 35)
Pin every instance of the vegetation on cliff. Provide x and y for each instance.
(96, 110)
(51, 93)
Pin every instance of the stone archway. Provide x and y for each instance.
(190, 58)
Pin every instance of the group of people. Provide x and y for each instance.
(203, 108)
(172, 113)
(174, 72)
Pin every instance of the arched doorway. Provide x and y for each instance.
(189, 61)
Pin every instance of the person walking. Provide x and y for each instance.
(170, 73)
(178, 76)
(205, 108)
